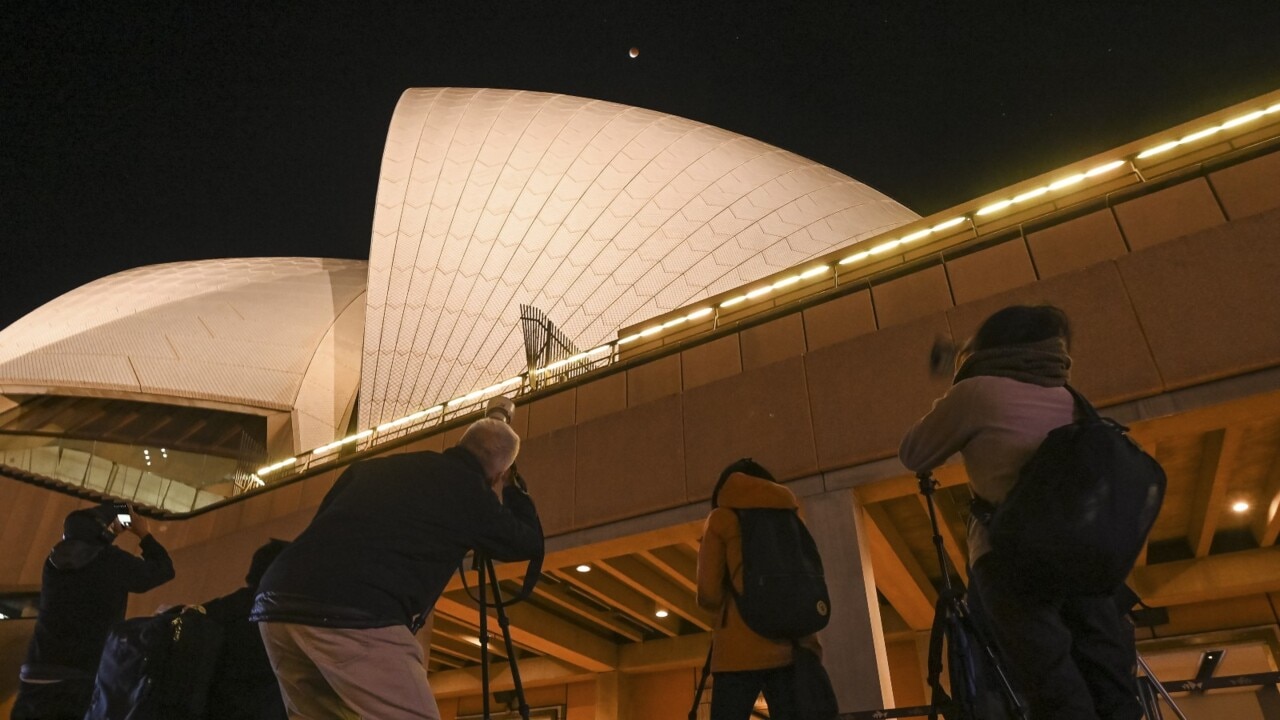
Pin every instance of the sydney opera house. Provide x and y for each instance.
(662, 297)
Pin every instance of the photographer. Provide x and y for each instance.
(243, 686)
(743, 662)
(339, 607)
(1068, 655)
(84, 590)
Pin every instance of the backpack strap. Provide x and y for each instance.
(1091, 413)
(1085, 407)
(702, 684)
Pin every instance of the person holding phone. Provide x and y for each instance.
(84, 590)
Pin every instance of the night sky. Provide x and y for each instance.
(136, 134)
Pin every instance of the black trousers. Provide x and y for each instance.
(734, 693)
(1070, 658)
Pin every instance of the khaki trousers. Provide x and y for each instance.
(342, 674)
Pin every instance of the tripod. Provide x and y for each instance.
(1150, 691)
(952, 620)
(487, 577)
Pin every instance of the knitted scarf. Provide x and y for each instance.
(1045, 363)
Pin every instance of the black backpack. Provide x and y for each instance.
(784, 594)
(158, 668)
(1080, 512)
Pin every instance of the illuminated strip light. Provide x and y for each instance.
(326, 449)
(1214, 130)
(409, 418)
(911, 237)
(777, 285)
(276, 466)
(561, 363)
(654, 330)
(469, 397)
(1053, 186)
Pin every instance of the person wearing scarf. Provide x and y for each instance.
(1068, 656)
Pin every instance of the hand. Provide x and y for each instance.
(515, 479)
(138, 525)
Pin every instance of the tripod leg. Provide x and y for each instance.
(1148, 700)
(1155, 682)
(956, 619)
(484, 638)
(505, 624)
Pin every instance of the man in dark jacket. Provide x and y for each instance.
(84, 590)
(339, 606)
(243, 686)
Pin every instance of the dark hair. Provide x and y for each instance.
(262, 559)
(746, 466)
(92, 524)
(1021, 324)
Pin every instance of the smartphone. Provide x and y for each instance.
(122, 515)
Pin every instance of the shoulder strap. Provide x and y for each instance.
(1086, 408)
(1090, 412)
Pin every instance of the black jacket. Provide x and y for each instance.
(388, 536)
(84, 590)
(243, 687)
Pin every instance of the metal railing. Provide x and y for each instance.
(89, 465)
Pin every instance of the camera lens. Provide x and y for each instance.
(942, 357)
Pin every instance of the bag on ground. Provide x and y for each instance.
(1080, 512)
(158, 668)
(784, 594)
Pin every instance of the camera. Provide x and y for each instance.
(942, 357)
(503, 408)
(500, 408)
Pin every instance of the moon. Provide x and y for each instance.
(635, 52)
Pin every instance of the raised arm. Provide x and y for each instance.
(948, 427)
(510, 530)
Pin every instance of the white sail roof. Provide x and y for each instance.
(248, 334)
(600, 214)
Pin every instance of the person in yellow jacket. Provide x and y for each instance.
(743, 664)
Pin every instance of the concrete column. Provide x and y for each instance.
(853, 643)
(609, 701)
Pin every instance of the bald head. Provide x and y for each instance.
(493, 443)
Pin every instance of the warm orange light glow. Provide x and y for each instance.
(1240, 506)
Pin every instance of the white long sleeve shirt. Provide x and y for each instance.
(995, 424)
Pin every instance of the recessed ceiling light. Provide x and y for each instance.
(1240, 506)
(661, 613)
(583, 568)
